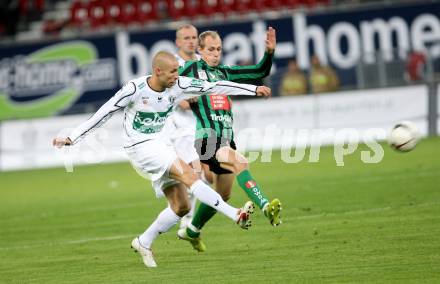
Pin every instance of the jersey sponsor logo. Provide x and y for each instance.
(197, 83)
(226, 119)
(219, 102)
(216, 76)
(250, 184)
(150, 122)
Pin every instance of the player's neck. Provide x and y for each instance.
(154, 84)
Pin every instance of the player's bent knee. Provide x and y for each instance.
(182, 209)
(226, 197)
(190, 177)
(240, 166)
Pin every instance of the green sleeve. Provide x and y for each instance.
(188, 69)
(250, 72)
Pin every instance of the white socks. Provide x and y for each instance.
(207, 195)
(186, 220)
(165, 221)
(167, 218)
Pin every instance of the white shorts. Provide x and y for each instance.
(152, 160)
(185, 149)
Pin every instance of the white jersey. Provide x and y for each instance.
(183, 61)
(184, 119)
(145, 110)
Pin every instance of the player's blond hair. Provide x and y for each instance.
(185, 26)
(206, 34)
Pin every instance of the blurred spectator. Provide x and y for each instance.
(293, 81)
(322, 78)
(415, 66)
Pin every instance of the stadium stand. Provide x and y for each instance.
(39, 17)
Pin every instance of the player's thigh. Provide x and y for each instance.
(229, 157)
(182, 172)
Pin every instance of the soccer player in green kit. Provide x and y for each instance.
(214, 136)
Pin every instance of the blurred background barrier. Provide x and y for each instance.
(260, 125)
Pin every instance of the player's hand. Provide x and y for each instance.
(192, 100)
(59, 142)
(185, 104)
(263, 91)
(271, 40)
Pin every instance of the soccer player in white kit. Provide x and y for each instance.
(147, 101)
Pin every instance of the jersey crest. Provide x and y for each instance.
(202, 75)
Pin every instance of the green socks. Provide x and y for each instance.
(250, 186)
(204, 213)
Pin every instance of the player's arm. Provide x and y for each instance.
(259, 70)
(195, 87)
(120, 100)
(188, 69)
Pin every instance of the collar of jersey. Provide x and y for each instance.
(207, 67)
(151, 89)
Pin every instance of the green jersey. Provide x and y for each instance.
(213, 112)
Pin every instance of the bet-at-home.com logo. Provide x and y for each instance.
(51, 79)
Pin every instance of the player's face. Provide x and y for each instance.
(211, 53)
(187, 40)
(168, 74)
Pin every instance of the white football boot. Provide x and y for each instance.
(244, 215)
(146, 254)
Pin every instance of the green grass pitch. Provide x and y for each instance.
(358, 223)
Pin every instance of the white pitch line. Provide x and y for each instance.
(118, 237)
(72, 242)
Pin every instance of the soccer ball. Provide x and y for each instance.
(404, 136)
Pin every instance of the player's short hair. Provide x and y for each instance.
(185, 26)
(204, 35)
(161, 57)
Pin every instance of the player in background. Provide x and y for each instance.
(183, 127)
(147, 101)
(214, 135)
(187, 42)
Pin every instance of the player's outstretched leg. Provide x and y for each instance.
(192, 234)
(271, 209)
(207, 195)
(237, 163)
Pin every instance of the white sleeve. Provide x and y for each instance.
(195, 87)
(120, 100)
